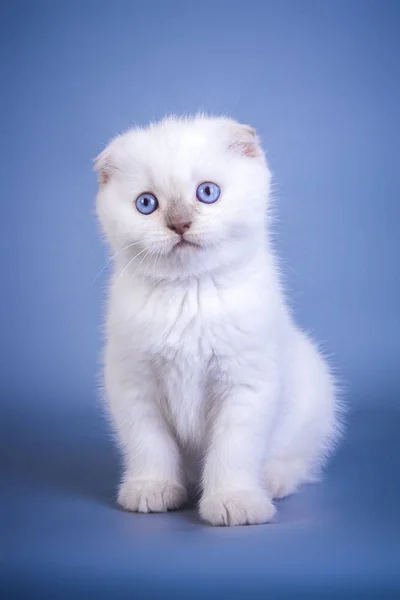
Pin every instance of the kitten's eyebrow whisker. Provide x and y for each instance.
(207, 147)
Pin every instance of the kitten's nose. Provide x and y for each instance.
(179, 227)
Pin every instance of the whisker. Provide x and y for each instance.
(144, 258)
(112, 258)
(127, 265)
(152, 253)
(158, 256)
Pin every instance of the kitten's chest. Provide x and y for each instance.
(183, 352)
(188, 329)
(184, 326)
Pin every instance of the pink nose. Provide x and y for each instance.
(179, 226)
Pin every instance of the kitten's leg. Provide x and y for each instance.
(308, 432)
(284, 475)
(233, 474)
(152, 480)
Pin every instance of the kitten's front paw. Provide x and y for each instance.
(151, 496)
(247, 507)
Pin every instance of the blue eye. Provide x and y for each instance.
(146, 203)
(208, 192)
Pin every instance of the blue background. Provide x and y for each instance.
(321, 83)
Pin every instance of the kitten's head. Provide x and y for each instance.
(183, 196)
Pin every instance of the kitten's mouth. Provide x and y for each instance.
(185, 244)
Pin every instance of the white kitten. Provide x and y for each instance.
(209, 381)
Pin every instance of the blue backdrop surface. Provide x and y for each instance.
(321, 83)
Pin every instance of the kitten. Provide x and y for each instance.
(208, 379)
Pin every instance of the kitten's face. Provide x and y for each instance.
(183, 197)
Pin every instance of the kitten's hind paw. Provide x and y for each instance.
(245, 507)
(283, 476)
(151, 496)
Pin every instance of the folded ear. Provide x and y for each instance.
(244, 140)
(104, 166)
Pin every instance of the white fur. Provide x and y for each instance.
(209, 381)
